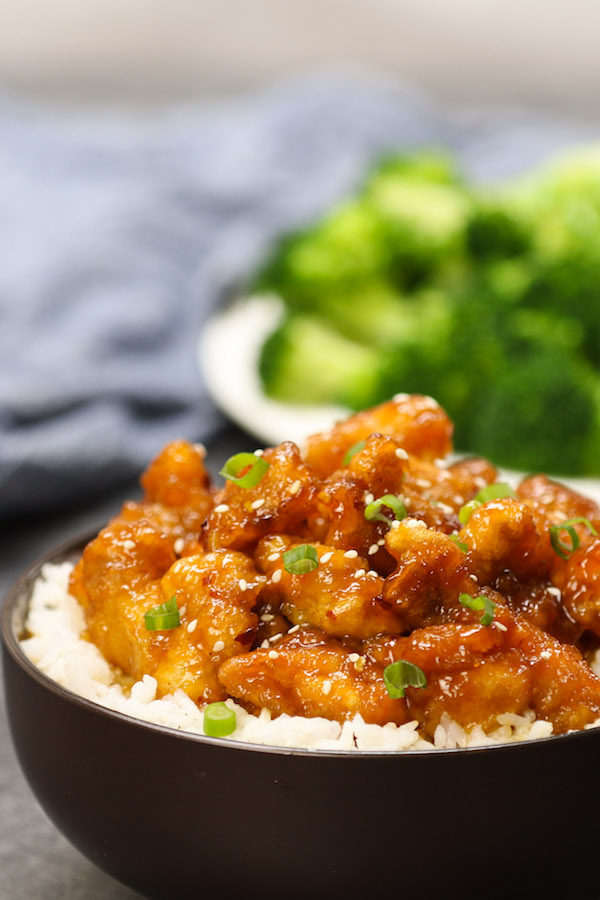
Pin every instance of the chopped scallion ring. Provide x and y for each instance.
(245, 469)
(300, 560)
(219, 720)
(564, 549)
(373, 510)
(466, 511)
(352, 451)
(478, 604)
(461, 546)
(497, 491)
(162, 617)
(400, 675)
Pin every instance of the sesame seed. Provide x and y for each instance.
(360, 664)
(381, 542)
(326, 557)
(401, 453)
(369, 498)
(295, 487)
(546, 654)
(351, 554)
(479, 482)
(179, 545)
(320, 520)
(256, 504)
(400, 398)
(264, 645)
(192, 625)
(395, 524)
(473, 577)
(373, 549)
(372, 574)
(201, 449)
(501, 626)
(354, 657)
(294, 629)
(326, 687)
(445, 508)
(129, 545)
(360, 572)
(182, 610)
(276, 637)
(258, 452)
(554, 591)
(276, 577)
(218, 646)
(222, 507)
(266, 617)
(243, 584)
(273, 654)
(422, 483)
(273, 557)
(412, 523)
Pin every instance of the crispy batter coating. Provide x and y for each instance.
(418, 424)
(283, 500)
(307, 673)
(317, 644)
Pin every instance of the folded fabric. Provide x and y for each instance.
(119, 232)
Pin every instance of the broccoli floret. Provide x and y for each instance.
(305, 361)
(494, 232)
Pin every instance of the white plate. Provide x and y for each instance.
(228, 353)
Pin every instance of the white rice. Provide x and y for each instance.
(56, 623)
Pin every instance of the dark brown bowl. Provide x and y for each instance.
(178, 815)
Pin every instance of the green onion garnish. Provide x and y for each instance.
(244, 469)
(300, 560)
(461, 546)
(466, 511)
(478, 604)
(219, 720)
(373, 510)
(400, 675)
(354, 449)
(162, 617)
(563, 549)
(497, 491)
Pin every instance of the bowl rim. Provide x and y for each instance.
(69, 548)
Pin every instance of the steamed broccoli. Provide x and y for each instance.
(486, 298)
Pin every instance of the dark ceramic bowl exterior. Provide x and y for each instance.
(177, 815)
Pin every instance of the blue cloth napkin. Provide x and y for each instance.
(119, 232)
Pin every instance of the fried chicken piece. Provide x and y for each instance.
(340, 596)
(578, 579)
(557, 501)
(474, 673)
(307, 673)
(418, 423)
(430, 575)
(130, 568)
(282, 501)
(116, 580)
(381, 468)
(177, 495)
(216, 593)
(507, 535)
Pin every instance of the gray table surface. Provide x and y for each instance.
(36, 862)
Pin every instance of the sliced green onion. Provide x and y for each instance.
(245, 469)
(564, 549)
(461, 546)
(466, 511)
(219, 720)
(162, 617)
(354, 449)
(497, 491)
(478, 604)
(400, 675)
(373, 510)
(300, 560)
